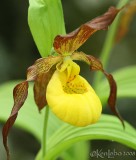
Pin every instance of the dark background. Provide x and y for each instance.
(18, 52)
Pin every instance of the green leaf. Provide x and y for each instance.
(108, 128)
(77, 151)
(45, 18)
(126, 83)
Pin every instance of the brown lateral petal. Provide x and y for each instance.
(95, 64)
(112, 96)
(67, 44)
(80, 56)
(42, 65)
(31, 73)
(20, 93)
(40, 86)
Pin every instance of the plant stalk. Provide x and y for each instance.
(44, 140)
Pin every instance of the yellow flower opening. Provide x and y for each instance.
(70, 96)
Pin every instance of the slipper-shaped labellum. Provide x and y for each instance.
(57, 81)
(71, 97)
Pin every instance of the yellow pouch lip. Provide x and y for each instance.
(79, 109)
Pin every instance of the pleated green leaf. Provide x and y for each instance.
(108, 128)
(72, 153)
(45, 18)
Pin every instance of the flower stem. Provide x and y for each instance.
(108, 44)
(44, 140)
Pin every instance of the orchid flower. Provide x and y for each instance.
(57, 82)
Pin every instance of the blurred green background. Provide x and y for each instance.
(18, 52)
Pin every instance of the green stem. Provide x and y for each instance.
(44, 140)
(108, 44)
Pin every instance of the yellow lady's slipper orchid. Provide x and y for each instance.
(71, 97)
(57, 81)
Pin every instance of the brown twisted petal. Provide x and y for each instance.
(20, 94)
(112, 97)
(36, 73)
(67, 44)
(95, 64)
